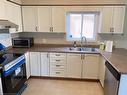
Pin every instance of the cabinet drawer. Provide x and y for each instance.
(55, 62)
(57, 55)
(57, 73)
(57, 67)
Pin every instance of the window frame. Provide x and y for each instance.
(96, 25)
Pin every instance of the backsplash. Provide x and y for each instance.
(5, 39)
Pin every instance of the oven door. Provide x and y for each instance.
(14, 81)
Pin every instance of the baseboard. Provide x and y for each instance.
(63, 78)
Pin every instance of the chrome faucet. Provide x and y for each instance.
(82, 41)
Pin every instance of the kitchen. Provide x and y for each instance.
(63, 47)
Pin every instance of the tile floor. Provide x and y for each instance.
(62, 87)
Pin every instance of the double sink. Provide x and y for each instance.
(83, 49)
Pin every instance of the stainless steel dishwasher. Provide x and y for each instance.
(112, 78)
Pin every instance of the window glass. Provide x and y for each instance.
(81, 24)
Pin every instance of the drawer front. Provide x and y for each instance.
(54, 62)
(58, 55)
(57, 73)
(57, 67)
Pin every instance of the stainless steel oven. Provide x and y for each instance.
(14, 76)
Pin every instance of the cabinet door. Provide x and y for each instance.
(90, 66)
(102, 70)
(58, 19)
(17, 19)
(27, 57)
(29, 18)
(44, 64)
(74, 65)
(2, 9)
(13, 14)
(35, 63)
(118, 18)
(106, 19)
(44, 18)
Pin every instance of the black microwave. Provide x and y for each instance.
(20, 42)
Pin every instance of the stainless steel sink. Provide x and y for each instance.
(85, 49)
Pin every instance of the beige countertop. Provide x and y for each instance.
(118, 58)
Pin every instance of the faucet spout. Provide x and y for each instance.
(83, 41)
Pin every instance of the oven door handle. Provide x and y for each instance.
(6, 73)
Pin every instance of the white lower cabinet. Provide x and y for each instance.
(58, 64)
(35, 63)
(27, 57)
(90, 66)
(102, 70)
(74, 65)
(68, 65)
(44, 64)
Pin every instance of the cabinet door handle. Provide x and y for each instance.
(52, 29)
(57, 60)
(58, 65)
(57, 72)
(36, 28)
(57, 54)
(47, 55)
(112, 29)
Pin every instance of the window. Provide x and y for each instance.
(81, 24)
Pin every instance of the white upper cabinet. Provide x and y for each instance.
(90, 66)
(118, 19)
(29, 18)
(13, 14)
(112, 19)
(58, 19)
(44, 19)
(2, 9)
(74, 65)
(44, 64)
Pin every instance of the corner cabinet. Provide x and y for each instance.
(74, 65)
(2, 9)
(13, 14)
(43, 19)
(112, 19)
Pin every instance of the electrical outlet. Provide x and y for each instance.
(43, 40)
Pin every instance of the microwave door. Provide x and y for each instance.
(20, 43)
